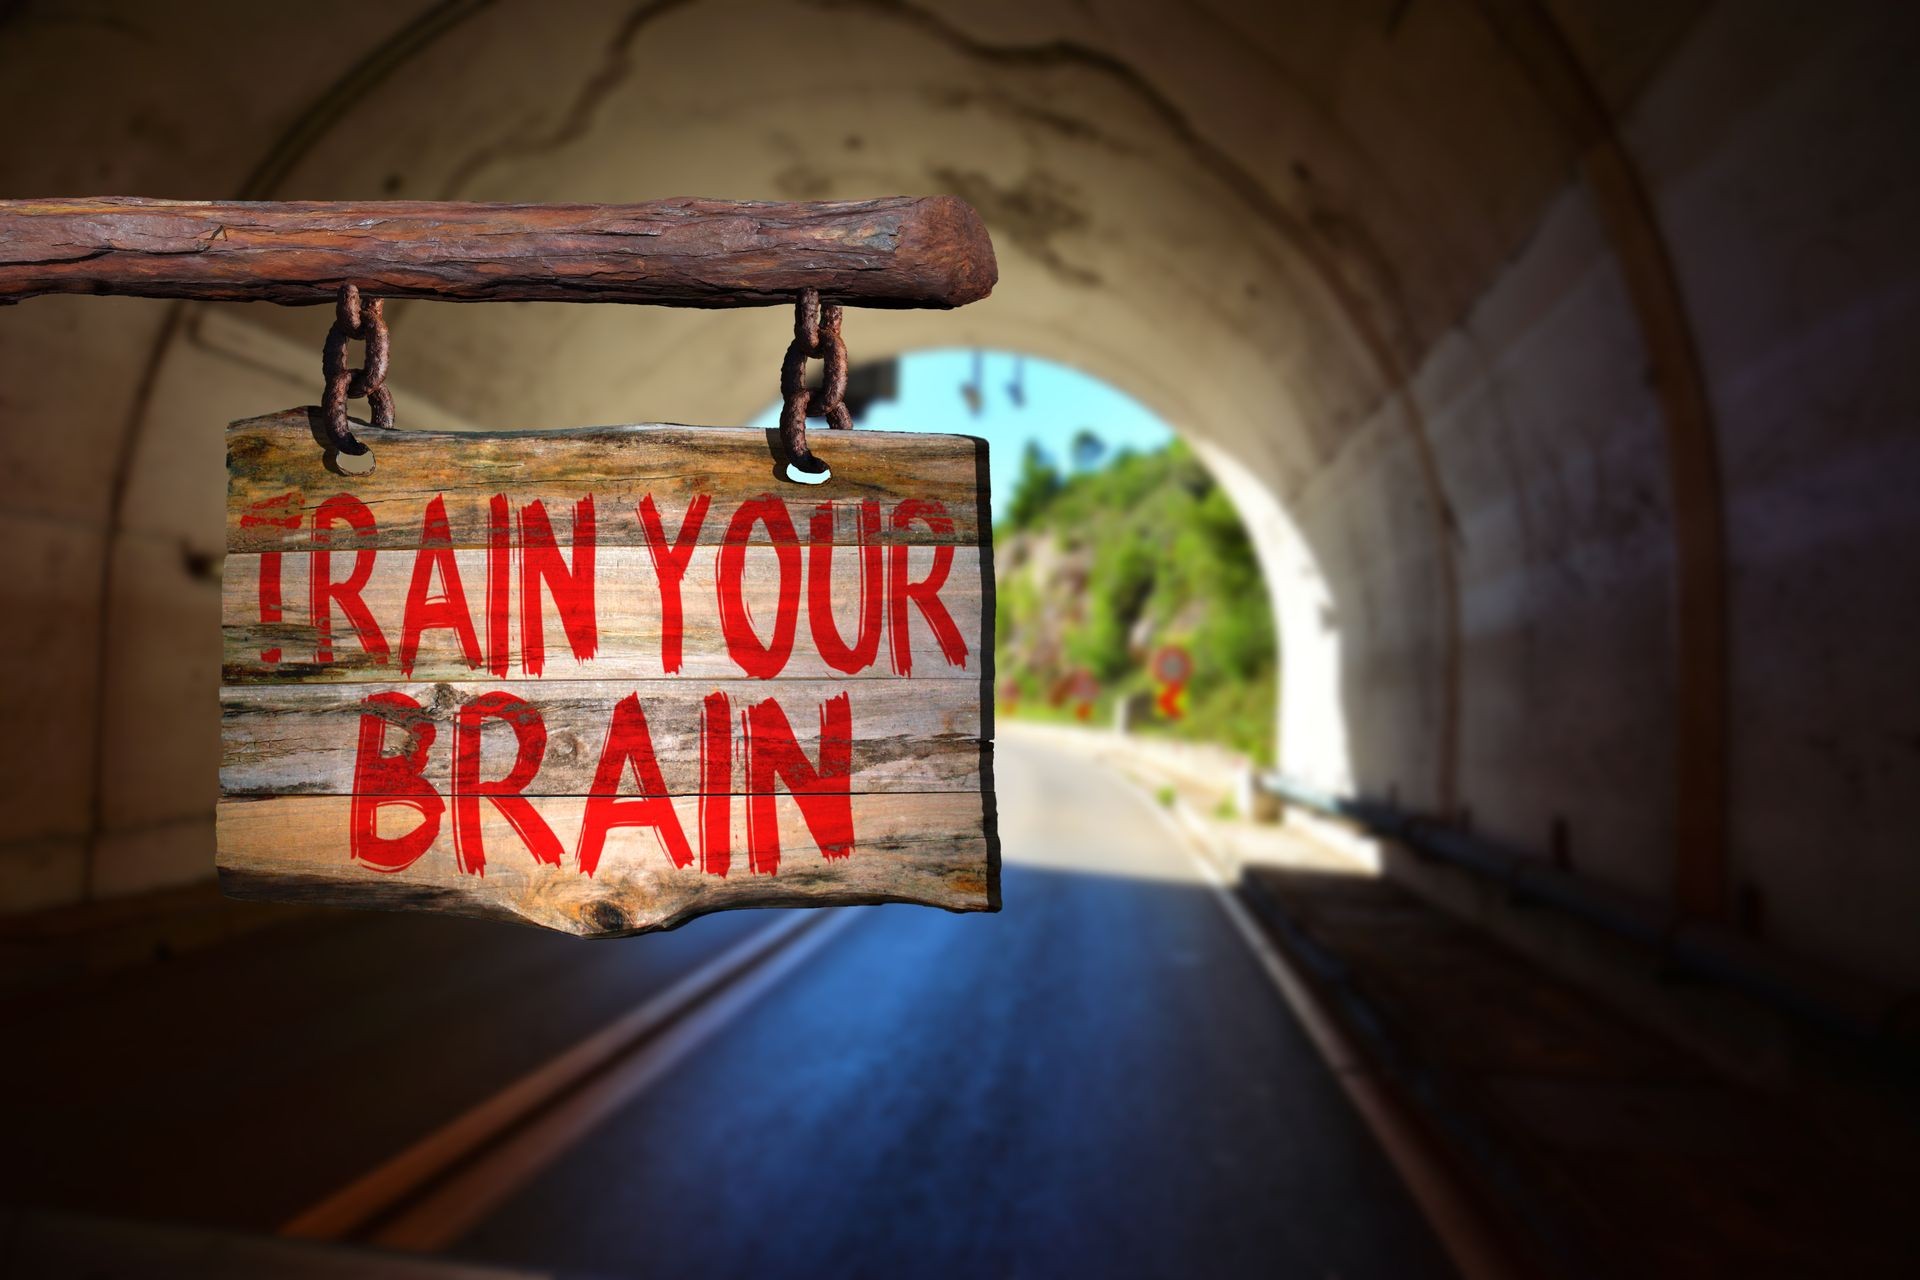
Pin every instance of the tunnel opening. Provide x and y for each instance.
(1131, 590)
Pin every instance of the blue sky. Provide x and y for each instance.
(1059, 401)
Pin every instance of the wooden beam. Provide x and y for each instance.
(898, 251)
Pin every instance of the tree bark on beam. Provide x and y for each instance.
(899, 251)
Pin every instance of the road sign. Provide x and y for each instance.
(606, 680)
(1172, 666)
(1079, 687)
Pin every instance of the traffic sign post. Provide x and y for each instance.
(1172, 667)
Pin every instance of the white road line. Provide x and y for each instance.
(1464, 1229)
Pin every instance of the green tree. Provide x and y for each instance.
(1087, 450)
(1166, 560)
(1037, 485)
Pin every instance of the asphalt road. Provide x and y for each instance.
(1098, 1081)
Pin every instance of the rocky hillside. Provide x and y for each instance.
(1101, 568)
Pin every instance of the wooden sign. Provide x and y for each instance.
(607, 680)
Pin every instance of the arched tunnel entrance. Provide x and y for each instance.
(1118, 549)
(1547, 348)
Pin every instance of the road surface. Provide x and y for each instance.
(1100, 1081)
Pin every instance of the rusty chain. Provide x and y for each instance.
(816, 335)
(355, 320)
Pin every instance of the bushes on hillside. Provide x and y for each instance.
(1143, 551)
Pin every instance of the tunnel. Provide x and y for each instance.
(1549, 350)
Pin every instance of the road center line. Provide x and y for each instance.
(431, 1193)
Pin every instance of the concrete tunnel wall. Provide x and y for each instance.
(1548, 346)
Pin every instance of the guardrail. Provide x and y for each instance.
(1681, 947)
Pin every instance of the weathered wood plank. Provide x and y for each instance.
(934, 849)
(899, 251)
(629, 619)
(276, 482)
(302, 739)
(478, 654)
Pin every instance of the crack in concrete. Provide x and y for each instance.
(1031, 214)
(287, 150)
(1268, 210)
(614, 70)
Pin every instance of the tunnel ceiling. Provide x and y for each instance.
(1258, 225)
